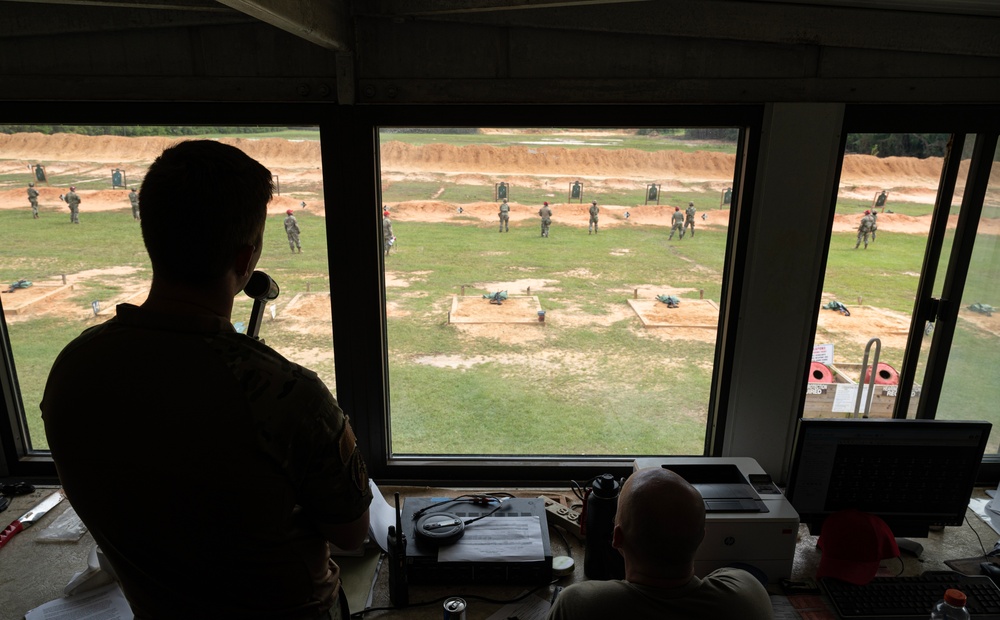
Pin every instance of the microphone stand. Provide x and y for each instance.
(253, 328)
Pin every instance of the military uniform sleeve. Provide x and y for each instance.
(331, 473)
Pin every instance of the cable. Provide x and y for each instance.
(476, 498)
(981, 546)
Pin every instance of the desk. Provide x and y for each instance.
(33, 573)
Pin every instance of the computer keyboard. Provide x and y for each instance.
(903, 598)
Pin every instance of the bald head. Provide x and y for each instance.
(660, 523)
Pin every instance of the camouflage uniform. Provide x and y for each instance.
(864, 229)
(504, 216)
(292, 230)
(387, 237)
(33, 199)
(269, 427)
(677, 223)
(874, 225)
(133, 198)
(546, 214)
(73, 200)
(688, 219)
(592, 225)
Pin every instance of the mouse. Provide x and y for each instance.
(912, 547)
(991, 570)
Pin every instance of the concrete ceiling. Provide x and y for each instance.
(328, 23)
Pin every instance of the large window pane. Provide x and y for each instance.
(79, 272)
(612, 369)
(873, 271)
(970, 389)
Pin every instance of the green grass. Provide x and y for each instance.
(605, 388)
(46, 248)
(601, 387)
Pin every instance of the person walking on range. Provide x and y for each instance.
(73, 200)
(864, 229)
(688, 219)
(658, 528)
(504, 216)
(133, 198)
(33, 200)
(594, 211)
(388, 239)
(173, 377)
(677, 223)
(874, 215)
(546, 214)
(292, 230)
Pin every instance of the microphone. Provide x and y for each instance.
(261, 287)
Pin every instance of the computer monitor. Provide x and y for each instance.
(914, 474)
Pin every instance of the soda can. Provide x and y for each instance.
(454, 608)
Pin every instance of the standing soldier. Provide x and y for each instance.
(874, 215)
(864, 229)
(546, 214)
(33, 199)
(688, 219)
(133, 198)
(388, 239)
(504, 216)
(73, 200)
(594, 210)
(292, 230)
(677, 223)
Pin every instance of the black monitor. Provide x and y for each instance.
(913, 474)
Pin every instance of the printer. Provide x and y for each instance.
(747, 518)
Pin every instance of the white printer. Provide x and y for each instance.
(747, 519)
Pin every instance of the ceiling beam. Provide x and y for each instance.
(326, 23)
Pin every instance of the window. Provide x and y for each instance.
(591, 335)
(918, 289)
(62, 273)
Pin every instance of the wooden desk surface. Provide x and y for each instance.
(34, 573)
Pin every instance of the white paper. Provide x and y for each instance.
(533, 607)
(107, 603)
(380, 516)
(979, 506)
(846, 397)
(511, 539)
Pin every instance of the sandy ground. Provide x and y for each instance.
(297, 169)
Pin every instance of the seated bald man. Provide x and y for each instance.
(659, 526)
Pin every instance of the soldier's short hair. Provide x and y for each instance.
(228, 190)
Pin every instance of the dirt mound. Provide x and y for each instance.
(703, 165)
(119, 150)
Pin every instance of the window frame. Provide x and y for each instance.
(358, 363)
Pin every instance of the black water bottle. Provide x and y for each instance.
(601, 560)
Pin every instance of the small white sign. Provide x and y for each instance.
(823, 353)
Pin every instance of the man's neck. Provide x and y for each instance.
(657, 579)
(172, 298)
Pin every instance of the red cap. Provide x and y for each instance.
(677, 208)
(289, 212)
(386, 213)
(867, 212)
(853, 544)
(545, 203)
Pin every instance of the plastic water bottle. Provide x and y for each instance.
(951, 607)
